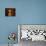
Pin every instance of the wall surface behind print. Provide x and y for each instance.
(27, 12)
(7, 24)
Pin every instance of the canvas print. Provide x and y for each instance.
(30, 34)
(33, 32)
(10, 12)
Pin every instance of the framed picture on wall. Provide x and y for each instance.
(33, 32)
(10, 11)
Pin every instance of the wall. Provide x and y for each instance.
(31, 11)
(27, 12)
(7, 24)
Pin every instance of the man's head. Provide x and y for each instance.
(10, 12)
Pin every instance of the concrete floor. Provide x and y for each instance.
(32, 43)
(7, 45)
(28, 43)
